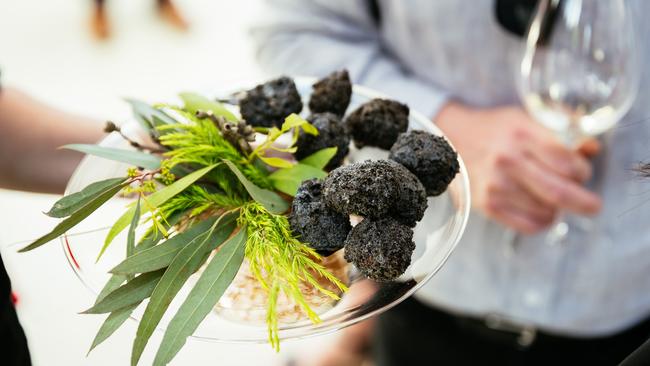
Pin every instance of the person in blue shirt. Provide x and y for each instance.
(505, 296)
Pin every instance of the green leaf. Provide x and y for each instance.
(148, 116)
(130, 238)
(67, 205)
(288, 180)
(269, 199)
(154, 200)
(207, 291)
(134, 157)
(188, 261)
(320, 158)
(111, 285)
(162, 254)
(276, 162)
(118, 317)
(194, 102)
(294, 120)
(112, 323)
(130, 293)
(74, 219)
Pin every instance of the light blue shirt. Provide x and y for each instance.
(429, 51)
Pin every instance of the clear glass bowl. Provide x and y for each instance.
(436, 236)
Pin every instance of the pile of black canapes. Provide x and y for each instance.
(390, 195)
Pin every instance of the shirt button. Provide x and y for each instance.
(532, 298)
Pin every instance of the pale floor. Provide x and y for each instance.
(46, 49)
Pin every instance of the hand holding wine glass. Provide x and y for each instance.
(579, 74)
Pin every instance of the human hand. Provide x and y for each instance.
(520, 173)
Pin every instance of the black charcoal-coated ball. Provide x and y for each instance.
(316, 224)
(380, 249)
(332, 94)
(376, 189)
(429, 157)
(331, 133)
(411, 203)
(268, 104)
(378, 123)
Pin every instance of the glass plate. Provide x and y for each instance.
(436, 236)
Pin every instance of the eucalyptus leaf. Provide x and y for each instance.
(161, 255)
(188, 261)
(67, 205)
(207, 291)
(130, 293)
(288, 180)
(320, 158)
(154, 200)
(130, 238)
(74, 219)
(112, 323)
(194, 102)
(134, 157)
(269, 199)
(118, 317)
(149, 116)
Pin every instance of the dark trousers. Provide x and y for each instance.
(12, 339)
(415, 334)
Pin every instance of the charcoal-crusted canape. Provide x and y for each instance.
(411, 202)
(429, 157)
(332, 94)
(331, 133)
(376, 189)
(316, 224)
(381, 249)
(378, 123)
(268, 104)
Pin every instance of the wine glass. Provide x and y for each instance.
(580, 71)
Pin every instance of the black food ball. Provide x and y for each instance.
(376, 189)
(378, 123)
(332, 94)
(268, 104)
(331, 133)
(411, 202)
(380, 249)
(316, 224)
(429, 157)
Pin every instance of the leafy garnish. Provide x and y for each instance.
(269, 199)
(130, 293)
(320, 158)
(186, 262)
(207, 291)
(162, 254)
(149, 117)
(288, 180)
(281, 263)
(194, 102)
(292, 122)
(69, 204)
(156, 199)
(74, 219)
(136, 158)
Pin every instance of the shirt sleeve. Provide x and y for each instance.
(316, 37)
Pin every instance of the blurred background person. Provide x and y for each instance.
(166, 8)
(505, 296)
(30, 135)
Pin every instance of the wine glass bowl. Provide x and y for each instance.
(579, 74)
(435, 237)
